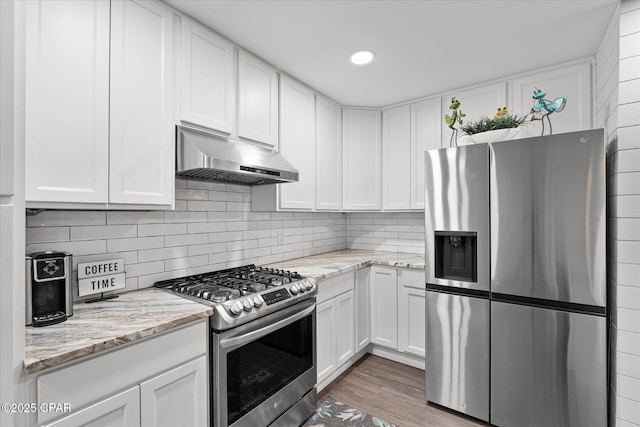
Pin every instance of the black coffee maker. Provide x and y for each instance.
(49, 290)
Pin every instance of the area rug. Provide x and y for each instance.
(333, 413)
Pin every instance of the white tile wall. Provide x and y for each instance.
(386, 231)
(212, 228)
(623, 131)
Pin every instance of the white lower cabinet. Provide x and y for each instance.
(384, 306)
(345, 327)
(398, 309)
(335, 324)
(411, 312)
(325, 339)
(121, 410)
(159, 381)
(362, 300)
(182, 388)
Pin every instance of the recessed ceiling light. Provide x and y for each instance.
(362, 57)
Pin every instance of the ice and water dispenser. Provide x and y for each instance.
(456, 255)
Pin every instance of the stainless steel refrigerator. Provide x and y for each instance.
(516, 280)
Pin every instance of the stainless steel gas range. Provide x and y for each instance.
(263, 355)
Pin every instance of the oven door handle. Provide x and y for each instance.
(266, 330)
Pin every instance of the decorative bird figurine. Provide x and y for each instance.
(450, 120)
(543, 107)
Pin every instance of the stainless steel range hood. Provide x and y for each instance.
(204, 156)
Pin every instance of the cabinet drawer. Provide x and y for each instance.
(411, 278)
(335, 286)
(85, 382)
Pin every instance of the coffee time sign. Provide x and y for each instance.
(100, 276)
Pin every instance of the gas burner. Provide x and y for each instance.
(242, 294)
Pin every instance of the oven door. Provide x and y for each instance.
(265, 367)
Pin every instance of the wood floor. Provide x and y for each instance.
(392, 391)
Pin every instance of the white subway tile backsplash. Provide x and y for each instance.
(628, 318)
(206, 206)
(191, 194)
(628, 137)
(119, 245)
(225, 196)
(628, 410)
(182, 217)
(133, 217)
(225, 216)
(225, 236)
(629, 91)
(161, 254)
(103, 232)
(206, 227)
(54, 218)
(192, 261)
(209, 248)
(89, 247)
(629, 68)
(47, 234)
(206, 185)
(147, 230)
(628, 274)
(629, 342)
(186, 239)
(628, 364)
(629, 114)
(142, 269)
(630, 45)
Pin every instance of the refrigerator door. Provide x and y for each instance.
(548, 367)
(548, 218)
(457, 200)
(457, 365)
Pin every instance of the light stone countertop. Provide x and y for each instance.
(135, 315)
(106, 324)
(331, 264)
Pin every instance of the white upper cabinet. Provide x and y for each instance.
(574, 82)
(426, 119)
(67, 101)
(361, 144)
(207, 90)
(328, 154)
(297, 143)
(396, 158)
(257, 100)
(475, 103)
(141, 114)
(99, 111)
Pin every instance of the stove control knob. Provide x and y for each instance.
(236, 308)
(309, 285)
(247, 305)
(257, 301)
(294, 289)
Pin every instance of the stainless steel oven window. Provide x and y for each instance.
(264, 367)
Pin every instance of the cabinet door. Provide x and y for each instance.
(345, 323)
(475, 103)
(67, 101)
(361, 145)
(257, 100)
(411, 320)
(208, 93)
(142, 126)
(384, 307)
(325, 339)
(425, 135)
(396, 158)
(573, 82)
(121, 410)
(176, 398)
(297, 143)
(328, 155)
(363, 308)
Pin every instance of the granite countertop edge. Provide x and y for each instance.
(82, 336)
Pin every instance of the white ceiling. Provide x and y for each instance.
(422, 47)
